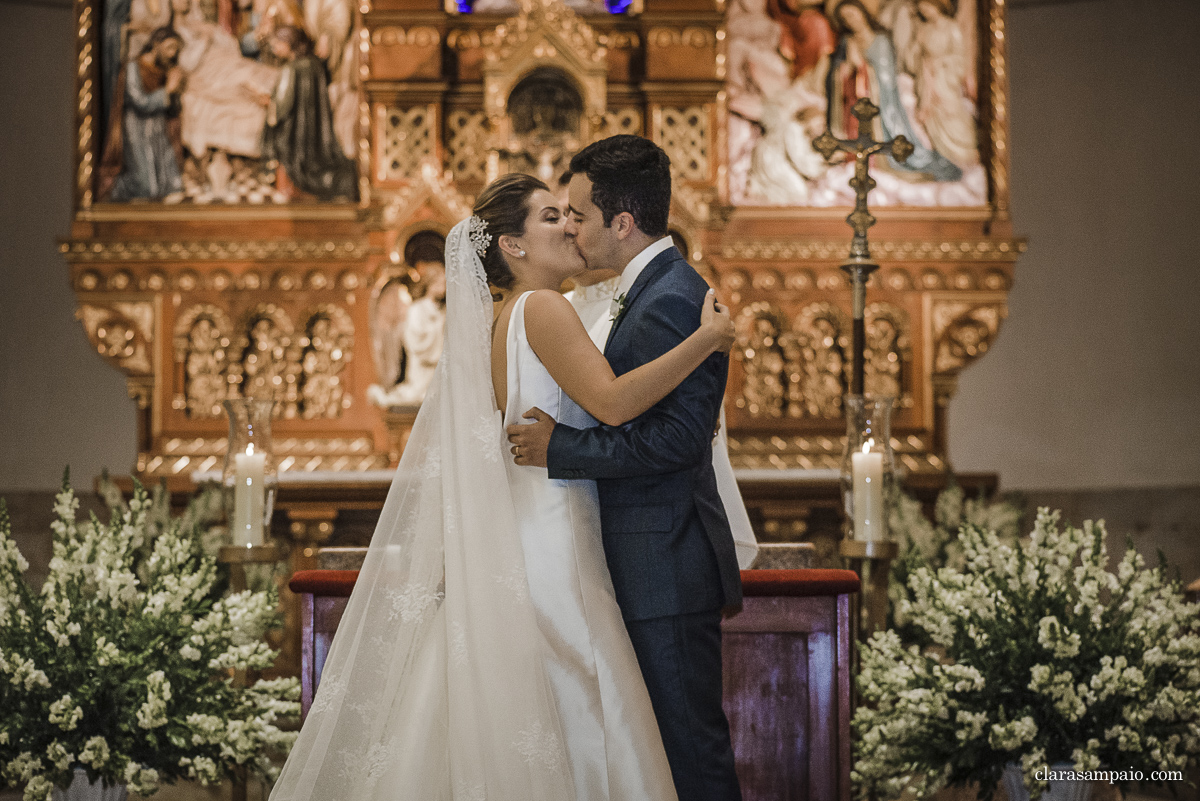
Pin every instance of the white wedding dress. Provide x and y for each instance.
(612, 739)
(482, 656)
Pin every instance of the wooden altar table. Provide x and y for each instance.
(786, 675)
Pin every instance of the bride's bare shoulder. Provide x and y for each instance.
(550, 317)
(546, 305)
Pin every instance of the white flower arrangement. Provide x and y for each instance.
(1030, 653)
(124, 663)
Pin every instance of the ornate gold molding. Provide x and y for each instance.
(998, 73)
(305, 455)
(417, 36)
(122, 332)
(82, 250)
(772, 452)
(96, 279)
(548, 17)
(963, 330)
(430, 185)
(85, 109)
(888, 250)
(697, 38)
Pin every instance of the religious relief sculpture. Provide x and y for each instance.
(202, 347)
(545, 110)
(325, 349)
(801, 371)
(825, 340)
(264, 368)
(228, 101)
(886, 352)
(759, 350)
(121, 332)
(963, 332)
(797, 66)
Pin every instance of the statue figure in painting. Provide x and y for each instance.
(864, 65)
(424, 335)
(299, 133)
(142, 155)
(945, 83)
(806, 35)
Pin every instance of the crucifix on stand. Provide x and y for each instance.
(859, 265)
(866, 546)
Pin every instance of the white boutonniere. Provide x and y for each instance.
(617, 309)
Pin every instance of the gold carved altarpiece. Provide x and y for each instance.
(195, 304)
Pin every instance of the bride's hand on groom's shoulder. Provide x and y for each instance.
(531, 441)
(715, 318)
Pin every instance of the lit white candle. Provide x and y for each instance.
(868, 493)
(249, 497)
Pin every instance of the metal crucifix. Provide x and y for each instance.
(859, 266)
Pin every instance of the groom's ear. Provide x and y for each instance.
(623, 225)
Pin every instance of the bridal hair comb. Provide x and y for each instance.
(478, 233)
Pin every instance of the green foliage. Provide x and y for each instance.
(1030, 652)
(125, 661)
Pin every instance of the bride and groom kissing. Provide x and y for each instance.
(545, 626)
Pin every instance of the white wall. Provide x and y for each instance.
(1093, 382)
(1095, 378)
(59, 403)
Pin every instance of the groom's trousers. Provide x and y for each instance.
(680, 658)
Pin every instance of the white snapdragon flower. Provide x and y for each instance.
(39, 789)
(202, 769)
(153, 713)
(1012, 735)
(190, 652)
(22, 768)
(106, 652)
(65, 713)
(95, 753)
(1055, 638)
(59, 756)
(60, 638)
(1126, 738)
(140, 779)
(206, 729)
(973, 724)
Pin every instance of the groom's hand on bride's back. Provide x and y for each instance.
(531, 441)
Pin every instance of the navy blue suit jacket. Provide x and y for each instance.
(666, 536)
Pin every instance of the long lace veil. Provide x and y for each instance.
(435, 687)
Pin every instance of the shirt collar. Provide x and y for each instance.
(639, 263)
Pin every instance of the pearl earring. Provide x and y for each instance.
(522, 254)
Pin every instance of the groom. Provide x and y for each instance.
(666, 537)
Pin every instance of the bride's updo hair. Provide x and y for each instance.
(504, 206)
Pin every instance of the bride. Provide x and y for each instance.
(482, 655)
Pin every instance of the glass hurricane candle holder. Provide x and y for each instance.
(250, 476)
(868, 470)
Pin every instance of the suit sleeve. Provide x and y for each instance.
(675, 434)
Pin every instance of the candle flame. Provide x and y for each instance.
(866, 446)
(250, 449)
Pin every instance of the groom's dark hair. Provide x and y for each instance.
(628, 174)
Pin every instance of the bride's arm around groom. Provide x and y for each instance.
(666, 536)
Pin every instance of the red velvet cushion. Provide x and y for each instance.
(799, 582)
(339, 583)
(335, 583)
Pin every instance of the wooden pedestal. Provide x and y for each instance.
(786, 675)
